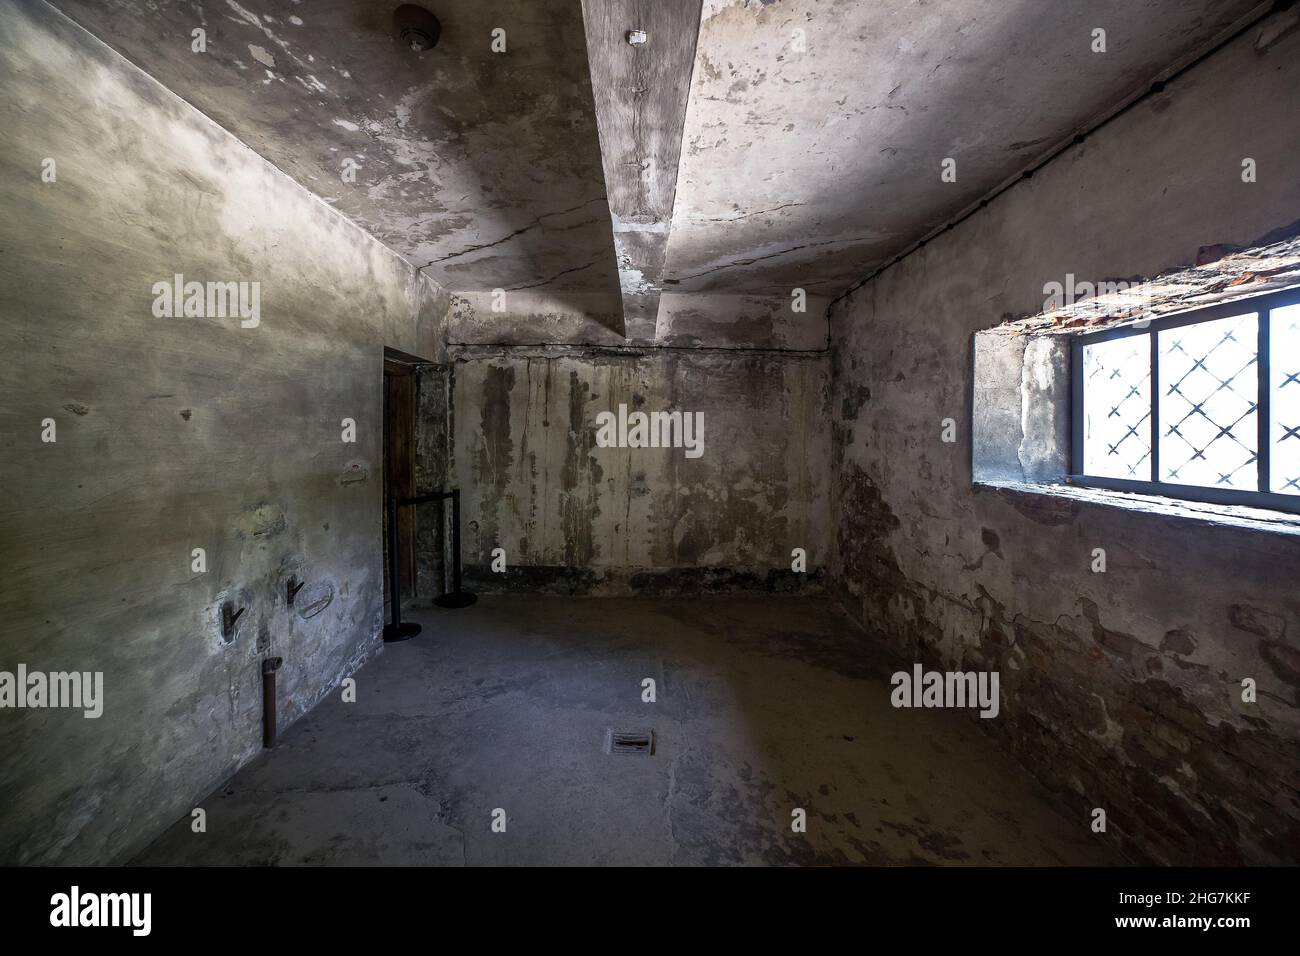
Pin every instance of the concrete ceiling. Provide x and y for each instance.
(773, 167)
(641, 90)
(484, 167)
(809, 169)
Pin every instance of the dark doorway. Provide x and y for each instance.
(399, 462)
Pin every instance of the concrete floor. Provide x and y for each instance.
(764, 705)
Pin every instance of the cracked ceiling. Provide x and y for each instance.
(811, 168)
(483, 168)
(749, 146)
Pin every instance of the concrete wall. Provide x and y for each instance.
(1121, 690)
(530, 375)
(172, 434)
(575, 517)
(693, 320)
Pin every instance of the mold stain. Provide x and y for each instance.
(579, 479)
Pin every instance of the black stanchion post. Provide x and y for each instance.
(396, 631)
(455, 540)
(456, 597)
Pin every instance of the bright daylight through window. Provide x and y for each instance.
(1204, 405)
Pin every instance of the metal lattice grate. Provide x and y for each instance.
(1209, 383)
(1117, 408)
(1284, 400)
(1202, 404)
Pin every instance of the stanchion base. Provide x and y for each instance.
(456, 599)
(400, 632)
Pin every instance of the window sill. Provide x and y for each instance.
(1232, 516)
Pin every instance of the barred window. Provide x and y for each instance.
(1204, 405)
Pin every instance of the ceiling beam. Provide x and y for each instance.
(640, 93)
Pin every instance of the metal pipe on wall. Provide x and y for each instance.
(269, 666)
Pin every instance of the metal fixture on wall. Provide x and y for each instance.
(269, 666)
(229, 618)
(416, 27)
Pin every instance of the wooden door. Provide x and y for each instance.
(399, 469)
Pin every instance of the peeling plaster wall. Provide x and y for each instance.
(577, 518)
(1120, 690)
(172, 434)
(692, 320)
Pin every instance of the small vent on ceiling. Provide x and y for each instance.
(634, 742)
(416, 27)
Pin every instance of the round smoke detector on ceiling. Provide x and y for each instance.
(416, 27)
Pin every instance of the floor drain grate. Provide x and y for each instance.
(634, 742)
